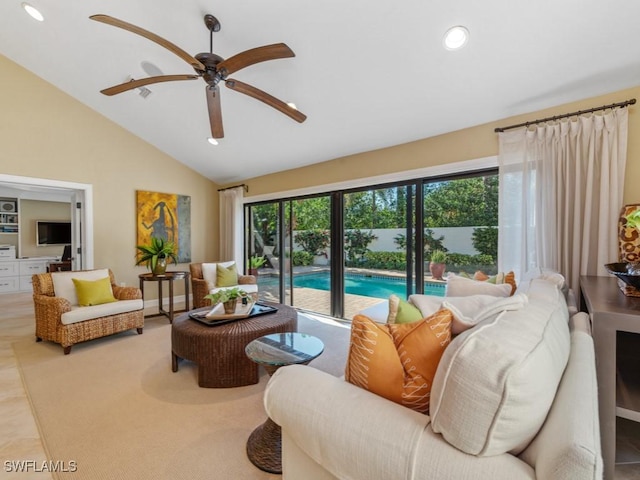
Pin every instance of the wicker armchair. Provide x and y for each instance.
(200, 287)
(49, 310)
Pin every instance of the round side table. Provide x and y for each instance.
(264, 446)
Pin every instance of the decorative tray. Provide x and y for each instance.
(216, 315)
(620, 271)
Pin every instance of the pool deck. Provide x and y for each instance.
(319, 301)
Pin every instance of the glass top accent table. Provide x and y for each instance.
(264, 447)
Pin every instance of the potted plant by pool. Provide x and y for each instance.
(228, 297)
(437, 264)
(255, 262)
(156, 254)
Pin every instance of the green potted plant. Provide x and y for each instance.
(155, 255)
(437, 264)
(228, 297)
(255, 262)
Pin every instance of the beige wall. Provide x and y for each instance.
(45, 133)
(32, 210)
(471, 143)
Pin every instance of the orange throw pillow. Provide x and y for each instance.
(398, 361)
(510, 278)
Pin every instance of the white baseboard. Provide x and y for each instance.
(177, 299)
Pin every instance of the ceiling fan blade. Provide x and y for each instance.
(150, 36)
(123, 87)
(266, 98)
(252, 56)
(215, 111)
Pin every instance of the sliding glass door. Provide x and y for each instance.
(310, 251)
(461, 219)
(292, 238)
(377, 258)
(343, 251)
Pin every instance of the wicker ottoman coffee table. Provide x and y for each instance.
(219, 350)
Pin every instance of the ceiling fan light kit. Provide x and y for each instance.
(212, 68)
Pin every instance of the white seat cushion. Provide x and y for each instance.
(249, 288)
(63, 284)
(378, 312)
(80, 314)
(496, 382)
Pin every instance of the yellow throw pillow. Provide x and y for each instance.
(398, 361)
(226, 276)
(401, 311)
(94, 292)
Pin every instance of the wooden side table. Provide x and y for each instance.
(612, 313)
(168, 277)
(264, 446)
(61, 266)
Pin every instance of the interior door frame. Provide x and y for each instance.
(74, 190)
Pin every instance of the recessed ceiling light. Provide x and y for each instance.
(456, 37)
(212, 141)
(32, 11)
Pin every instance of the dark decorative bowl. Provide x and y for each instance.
(620, 271)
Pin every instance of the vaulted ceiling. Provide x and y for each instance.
(367, 73)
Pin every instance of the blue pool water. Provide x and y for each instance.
(368, 286)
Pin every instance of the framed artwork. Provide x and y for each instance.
(167, 216)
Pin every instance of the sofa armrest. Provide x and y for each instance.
(48, 312)
(246, 280)
(354, 434)
(126, 293)
(52, 307)
(199, 289)
(568, 445)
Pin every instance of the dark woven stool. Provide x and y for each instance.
(219, 350)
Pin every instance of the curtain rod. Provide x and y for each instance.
(565, 115)
(245, 186)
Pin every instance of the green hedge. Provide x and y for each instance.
(381, 260)
(302, 259)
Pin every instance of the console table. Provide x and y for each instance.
(612, 314)
(168, 277)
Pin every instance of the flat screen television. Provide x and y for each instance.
(50, 232)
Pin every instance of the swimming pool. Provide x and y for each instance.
(377, 286)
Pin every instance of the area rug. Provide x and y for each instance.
(113, 409)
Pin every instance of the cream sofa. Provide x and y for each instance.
(514, 397)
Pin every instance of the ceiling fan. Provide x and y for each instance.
(212, 68)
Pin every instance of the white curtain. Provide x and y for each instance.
(561, 191)
(231, 226)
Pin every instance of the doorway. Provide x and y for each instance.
(80, 198)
